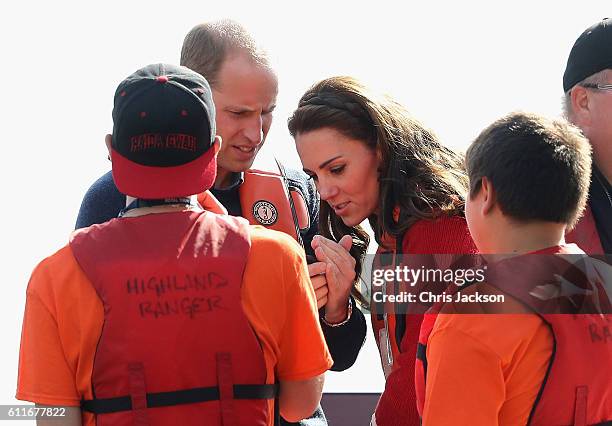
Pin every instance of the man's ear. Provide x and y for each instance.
(108, 140)
(217, 144)
(488, 194)
(581, 113)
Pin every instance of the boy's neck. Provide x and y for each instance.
(167, 208)
(520, 238)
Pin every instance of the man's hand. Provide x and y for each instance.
(339, 275)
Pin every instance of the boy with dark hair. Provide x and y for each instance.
(538, 167)
(529, 179)
(159, 316)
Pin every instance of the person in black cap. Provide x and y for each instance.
(587, 83)
(159, 317)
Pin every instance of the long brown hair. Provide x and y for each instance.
(419, 177)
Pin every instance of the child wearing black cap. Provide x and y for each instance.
(160, 316)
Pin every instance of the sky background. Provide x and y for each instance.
(457, 66)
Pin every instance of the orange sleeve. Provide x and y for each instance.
(485, 369)
(281, 305)
(304, 353)
(44, 376)
(465, 385)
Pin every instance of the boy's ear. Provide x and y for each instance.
(488, 194)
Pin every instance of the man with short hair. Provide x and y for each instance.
(244, 88)
(587, 83)
(159, 317)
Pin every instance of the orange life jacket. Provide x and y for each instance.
(576, 389)
(176, 346)
(266, 199)
(210, 203)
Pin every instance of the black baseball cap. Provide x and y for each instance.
(163, 129)
(592, 52)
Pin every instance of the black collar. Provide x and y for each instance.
(139, 202)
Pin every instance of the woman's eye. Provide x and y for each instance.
(337, 170)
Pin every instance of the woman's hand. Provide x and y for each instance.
(339, 275)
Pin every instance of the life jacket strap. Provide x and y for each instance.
(224, 378)
(138, 393)
(294, 214)
(580, 411)
(422, 355)
(185, 396)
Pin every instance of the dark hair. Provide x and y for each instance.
(539, 168)
(419, 178)
(207, 45)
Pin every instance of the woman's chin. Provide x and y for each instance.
(352, 220)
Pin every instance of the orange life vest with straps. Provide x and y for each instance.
(576, 389)
(176, 346)
(267, 199)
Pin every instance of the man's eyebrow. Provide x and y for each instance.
(245, 108)
(241, 108)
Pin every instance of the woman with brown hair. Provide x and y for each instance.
(371, 160)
